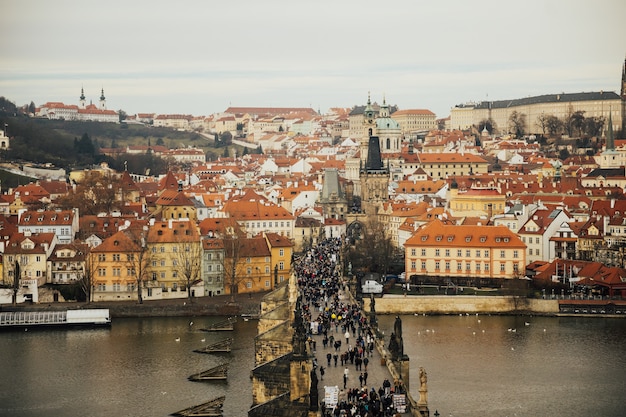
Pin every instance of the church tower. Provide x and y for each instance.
(388, 131)
(374, 176)
(103, 101)
(82, 100)
(623, 90)
(369, 124)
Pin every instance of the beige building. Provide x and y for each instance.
(458, 251)
(441, 165)
(412, 121)
(593, 104)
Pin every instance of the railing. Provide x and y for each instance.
(15, 318)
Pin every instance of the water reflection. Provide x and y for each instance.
(136, 368)
(517, 366)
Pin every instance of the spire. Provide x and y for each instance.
(82, 94)
(610, 140)
(102, 95)
(623, 91)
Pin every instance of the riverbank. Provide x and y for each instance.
(443, 304)
(221, 305)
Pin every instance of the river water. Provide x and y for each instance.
(575, 367)
(517, 366)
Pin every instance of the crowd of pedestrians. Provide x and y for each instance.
(347, 339)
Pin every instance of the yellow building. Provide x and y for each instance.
(458, 251)
(476, 202)
(113, 267)
(175, 252)
(247, 265)
(175, 205)
(281, 250)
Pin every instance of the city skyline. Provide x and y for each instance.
(200, 59)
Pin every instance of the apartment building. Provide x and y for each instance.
(457, 251)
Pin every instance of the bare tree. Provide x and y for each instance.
(233, 267)
(138, 259)
(517, 123)
(188, 261)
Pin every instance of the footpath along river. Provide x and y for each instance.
(137, 368)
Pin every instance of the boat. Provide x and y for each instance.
(211, 408)
(224, 325)
(62, 318)
(217, 373)
(221, 346)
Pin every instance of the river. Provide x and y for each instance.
(550, 367)
(496, 366)
(135, 368)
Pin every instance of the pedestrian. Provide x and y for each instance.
(345, 377)
(364, 378)
(335, 357)
(322, 372)
(361, 380)
(365, 362)
(329, 357)
(347, 336)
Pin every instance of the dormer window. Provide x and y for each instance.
(468, 238)
(438, 238)
(450, 238)
(483, 239)
(424, 238)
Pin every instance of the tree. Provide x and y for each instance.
(517, 123)
(122, 114)
(486, 123)
(594, 125)
(576, 122)
(32, 108)
(138, 258)
(233, 268)
(187, 258)
(96, 193)
(554, 125)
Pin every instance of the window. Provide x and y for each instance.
(116, 257)
(459, 266)
(281, 252)
(478, 253)
(267, 283)
(486, 267)
(154, 276)
(515, 268)
(117, 286)
(249, 284)
(447, 252)
(281, 265)
(459, 253)
(437, 253)
(447, 265)
(502, 267)
(413, 251)
(486, 253)
(102, 257)
(424, 265)
(501, 254)
(102, 272)
(162, 262)
(468, 253)
(423, 252)
(117, 272)
(437, 265)
(478, 267)
(515, 254)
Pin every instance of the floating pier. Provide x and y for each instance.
(224, 325)
(211, 408)
(65, 318)
(217, 373)
(218, 347)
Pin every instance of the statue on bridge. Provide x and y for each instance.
(396, 344)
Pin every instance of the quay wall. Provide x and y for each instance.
(441, 304)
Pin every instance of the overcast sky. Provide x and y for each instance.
(200, 57)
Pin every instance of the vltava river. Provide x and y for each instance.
(497, 366)
(137, 368)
